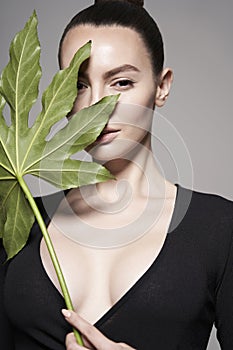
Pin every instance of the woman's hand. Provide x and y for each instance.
(92, 337)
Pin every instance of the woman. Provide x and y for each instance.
(164, 284)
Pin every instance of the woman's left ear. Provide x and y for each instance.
(163, 87)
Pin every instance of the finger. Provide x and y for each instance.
(90, 332)
(123, 346)
(71, 343)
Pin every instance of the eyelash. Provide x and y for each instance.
(80, 83)
(130, 83)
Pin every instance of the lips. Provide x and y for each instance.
(107, 135)
(108, 130)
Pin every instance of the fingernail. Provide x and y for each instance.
(66, 313)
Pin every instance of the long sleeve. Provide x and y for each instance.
(224, 305)
(6, 333)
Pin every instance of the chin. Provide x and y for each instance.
(118, 149)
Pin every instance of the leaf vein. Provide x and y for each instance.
(44, 118)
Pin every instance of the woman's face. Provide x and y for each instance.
(119, 63)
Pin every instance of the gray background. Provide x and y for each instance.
(198, 46)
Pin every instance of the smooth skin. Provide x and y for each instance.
(119, 63)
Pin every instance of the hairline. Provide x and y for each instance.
(91, 24)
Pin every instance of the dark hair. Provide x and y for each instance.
(135, 2)
(130, 14)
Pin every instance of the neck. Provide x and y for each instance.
(137, 171)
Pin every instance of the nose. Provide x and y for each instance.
(97, 93)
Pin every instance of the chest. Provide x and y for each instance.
(103, 255)
(98, 277)
(173, 289)
(172, 297)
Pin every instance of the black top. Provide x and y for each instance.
(172, 306)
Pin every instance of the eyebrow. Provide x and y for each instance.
(120, 69)
(114, 71)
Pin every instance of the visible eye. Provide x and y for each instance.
(81, 86)
(123, 84)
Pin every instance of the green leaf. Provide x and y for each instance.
(73, 173)
(17, 218)
(4, 194)
(5, 166)
(25, 150)
(57, 101)
(19, 84)
(3, 124)
(81, 131)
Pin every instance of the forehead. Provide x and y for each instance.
(109, 43)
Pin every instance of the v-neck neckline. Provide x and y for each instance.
(139, 281)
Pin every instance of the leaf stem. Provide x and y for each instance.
(51, 250)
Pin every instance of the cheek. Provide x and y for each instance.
(132, 117)
(134, 122)
(82, 100)
(143, 95)
(78, 105)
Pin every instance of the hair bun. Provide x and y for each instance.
(135, 2)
